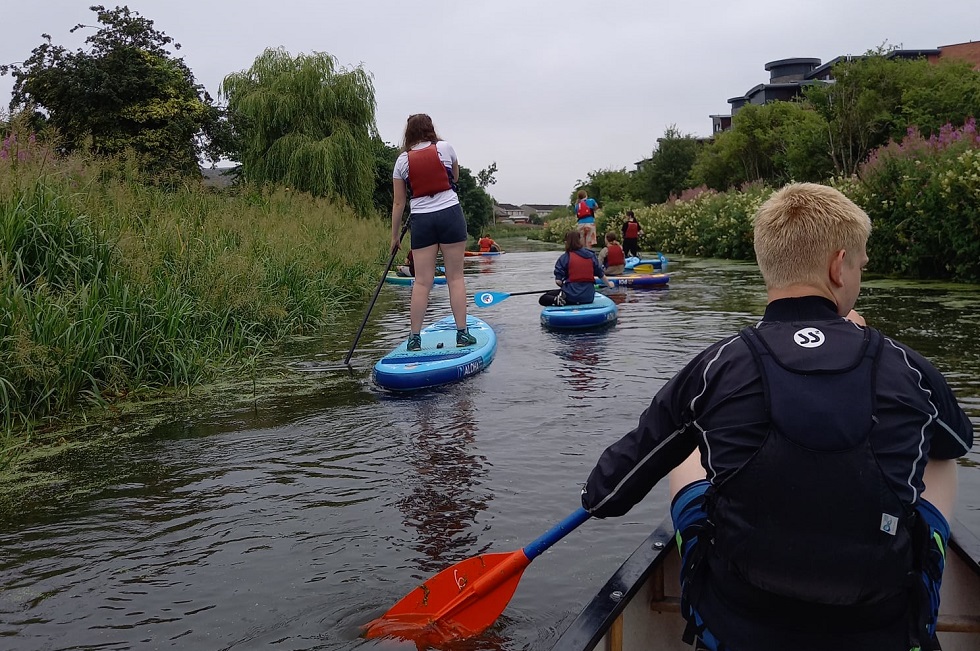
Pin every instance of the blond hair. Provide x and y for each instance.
(800, 227)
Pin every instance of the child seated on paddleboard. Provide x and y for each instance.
(407, 269)
(575, 272)
(611, 257)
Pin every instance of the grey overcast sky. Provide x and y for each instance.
(550, 89)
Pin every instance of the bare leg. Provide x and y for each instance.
(452, 255)
(425, 271)
(688, 472)
(940, 480)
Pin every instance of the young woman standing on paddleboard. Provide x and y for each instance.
(427, 171)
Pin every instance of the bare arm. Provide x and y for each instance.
(397, 208)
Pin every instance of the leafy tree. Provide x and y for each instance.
(385, 156)
(125, 91)
(605, 186)
(306, 122)
(477, 204)
(777, 143)
(862, 107)
(487, 176)
(666, 172)
(947, 92)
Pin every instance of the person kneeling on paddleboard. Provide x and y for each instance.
(611, 257)
(575, 272)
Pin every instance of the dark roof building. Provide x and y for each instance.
(788, 77)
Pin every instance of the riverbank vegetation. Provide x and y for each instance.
(109, 285)
(897, 136)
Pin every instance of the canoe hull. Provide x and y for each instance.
(639, 607)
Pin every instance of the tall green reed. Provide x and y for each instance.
(109, 285)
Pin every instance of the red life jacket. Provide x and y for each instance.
(580, 269)
(632, 230)
(583, 209)
(426, 173)
(485, 244)
(614, 255)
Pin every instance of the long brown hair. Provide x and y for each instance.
(419, 129)
(573, 241)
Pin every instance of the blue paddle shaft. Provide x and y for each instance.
(556, 533)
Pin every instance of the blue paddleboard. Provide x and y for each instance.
(639, 280)
(601, 311)
(660, 262)
(439, 361)
(394, 279)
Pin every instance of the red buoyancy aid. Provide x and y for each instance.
(614, 255)
(485, 244)
(426, 173)
(580, 269)
(583, 209)
(632, 230)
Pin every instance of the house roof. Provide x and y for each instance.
(509, 206)
(542, 207)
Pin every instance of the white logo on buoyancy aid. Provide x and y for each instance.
(889, 523)
(808, 338)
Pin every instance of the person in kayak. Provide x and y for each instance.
(427, 171)
(585, 208)
(611, 257)
(631, 235)
(575, 272)
(811, 459)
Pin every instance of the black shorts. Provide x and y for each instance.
(446, 226)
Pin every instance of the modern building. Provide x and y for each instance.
(788, 77)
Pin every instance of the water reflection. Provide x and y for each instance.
(444, 493)
(583, 354)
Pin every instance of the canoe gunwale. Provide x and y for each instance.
(598, 617)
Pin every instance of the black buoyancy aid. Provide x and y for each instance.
(580, 268)
(811, 516)
(632, 230)
(614, 255)
(426, 173)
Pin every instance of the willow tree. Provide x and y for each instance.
(305, 122)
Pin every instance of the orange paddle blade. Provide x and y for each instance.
(457, 603)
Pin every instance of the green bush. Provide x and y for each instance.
(922, 197)
(710, 224)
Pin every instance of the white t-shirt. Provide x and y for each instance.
(435, 202)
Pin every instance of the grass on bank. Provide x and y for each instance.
(110, 286)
